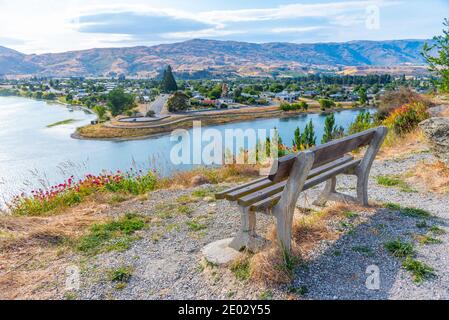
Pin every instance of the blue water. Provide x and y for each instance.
(32, 155)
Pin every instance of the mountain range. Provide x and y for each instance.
(200, 55)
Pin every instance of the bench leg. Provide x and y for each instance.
(284, 222)
(330, 194)
(325, 195)
(362, 188)
(247, 237)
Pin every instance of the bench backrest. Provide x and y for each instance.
(326, 153)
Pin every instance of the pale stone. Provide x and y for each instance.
(220, 253)
(436, 131)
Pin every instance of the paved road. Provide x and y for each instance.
(158, 105)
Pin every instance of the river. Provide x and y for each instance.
(32, 154)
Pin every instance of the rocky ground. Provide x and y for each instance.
(166, 263)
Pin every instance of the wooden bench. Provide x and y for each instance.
(278, 193)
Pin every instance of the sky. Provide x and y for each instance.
(41, 26)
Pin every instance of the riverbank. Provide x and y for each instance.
(119, 131)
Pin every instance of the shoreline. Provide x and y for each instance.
(131, 133)
(64, 104)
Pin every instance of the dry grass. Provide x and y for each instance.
(228, 173)
(398, 146)
(430, 176)
(273, 266)
(34, 250)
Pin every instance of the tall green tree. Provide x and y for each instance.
(329, 128)
(168, 83)
(179, 101)
(309, 136)
(100, 111)
(363, 97)
(439, 63)
(297, 140)
(119, 101)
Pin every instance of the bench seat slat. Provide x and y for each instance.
(330, 165)
(329, 174)
(250, 187)
(222, 194)
(263, 194)
(232, 196)
(267, 203)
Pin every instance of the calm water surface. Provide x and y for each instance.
(32, 155)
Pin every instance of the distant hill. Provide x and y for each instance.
(213, 56)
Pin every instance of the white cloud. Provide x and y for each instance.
(54, 26)
(295, 29)
(292, 11)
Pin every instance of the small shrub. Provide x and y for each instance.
(301, 291)
(422, 224)
(409, 211)
(393, 99)
(326, 104)
(122, 274)
(399, 249)
(406, 118)
(194, 225)
(437, 230)
(419, 270)
(426, 239)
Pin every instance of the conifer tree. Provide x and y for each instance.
(168, 83)
(329, 128)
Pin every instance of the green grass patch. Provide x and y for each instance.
(409, 211)
(120, 276)
(425, 239)
(186, 200)
(422, 224)
(266, 295)
(114, 235)
(394, 181)
(399, 248)
(60, 123)
(436, 230)
(169, 211)
(300, 291)
(241, 269)
(418, 269)
(195, 225)
(202, 193)
(363, 250)
(351, 214)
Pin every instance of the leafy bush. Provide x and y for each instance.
(179, 101)
(407, 117)
(302, 105)
(326, 104)
(394, 99)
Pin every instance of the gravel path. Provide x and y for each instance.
(167, 263)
